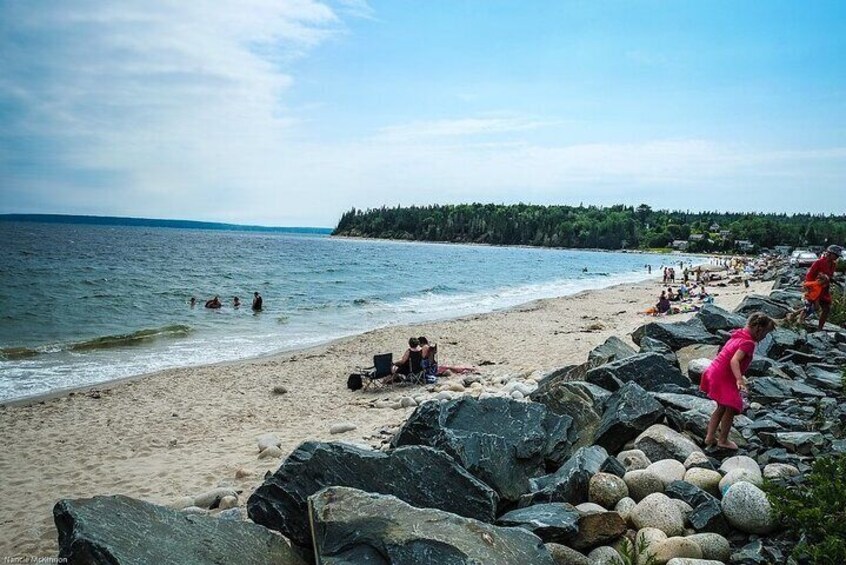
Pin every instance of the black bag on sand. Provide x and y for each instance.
(354, 381)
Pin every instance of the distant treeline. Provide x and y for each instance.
(615, 227)
(150, 222)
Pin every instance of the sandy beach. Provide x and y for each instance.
(184, 431)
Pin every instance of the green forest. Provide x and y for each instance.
(614, 227)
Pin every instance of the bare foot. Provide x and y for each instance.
(728, 445)
(709, 441)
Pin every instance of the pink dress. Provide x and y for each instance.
(718, 381)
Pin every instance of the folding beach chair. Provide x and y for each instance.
(373, 376)
(416, 373)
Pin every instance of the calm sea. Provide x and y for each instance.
(83, 304)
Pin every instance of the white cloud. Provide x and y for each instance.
(165, 109)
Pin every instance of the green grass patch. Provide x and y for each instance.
(815, 512)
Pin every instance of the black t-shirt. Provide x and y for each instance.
(257, 303)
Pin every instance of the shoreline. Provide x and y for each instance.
(181, 432)
(109, 384)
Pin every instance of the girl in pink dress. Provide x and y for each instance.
(723, 380)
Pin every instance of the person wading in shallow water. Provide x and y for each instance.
(824, 265)
(257, 302)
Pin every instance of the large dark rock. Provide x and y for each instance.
(716, 319)
(695, 423)
(628, 412)
(778, 342)
(421, 476)
(651, 345)
(114, 530)
(677, 335)
(756, 303)
(768, 390)
(554, 522)
(790, 298)
(707, 515)
(649, 370)
(571, 481)
(502, 442)
(613, 349)
(575, 400)
(352, 526)
(825, 377)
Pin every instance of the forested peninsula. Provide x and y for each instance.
(614, 227)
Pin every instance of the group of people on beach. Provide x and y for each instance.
(215, 303)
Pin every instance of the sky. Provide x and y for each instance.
(290, 112)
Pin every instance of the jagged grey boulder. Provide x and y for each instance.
(660, 442)
(628, 412)
(352, 526)
(554, 522)
(613, 349)
(696, 368)
(420, 475)
(575, 400)
(648, 344)
(113, 530)
(778, 342)
(716, 319)
(756, 303)
(502, 442)
(746, 507)
(823, 377)
(571, 482)
(677, 335)
(649, 370)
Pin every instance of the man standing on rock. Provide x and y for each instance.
(825, 265)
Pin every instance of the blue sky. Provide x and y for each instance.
(289, 112)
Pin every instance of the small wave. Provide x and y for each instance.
(439, 288)
(134, 338)
(282, 320)
(121, 340)
(360, 301)
(15, 353)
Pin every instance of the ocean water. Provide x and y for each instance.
(86, 304)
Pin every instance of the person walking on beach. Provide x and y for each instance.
(257, 302)
(824, 265)
(723, 380)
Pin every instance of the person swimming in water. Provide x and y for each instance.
(192, 302)
(214, 303)
(257, 302)
(236, 302)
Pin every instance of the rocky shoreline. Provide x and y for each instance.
(587, 463)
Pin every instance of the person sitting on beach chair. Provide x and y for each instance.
(430, 359)
(403, 368)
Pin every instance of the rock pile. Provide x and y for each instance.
(579, 465)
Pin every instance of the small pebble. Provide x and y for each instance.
(341, 428)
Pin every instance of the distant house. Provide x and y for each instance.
(744, 244)
(714, 227)
(696, 237)
(783, 249)
(680, 244)
(725, 234)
